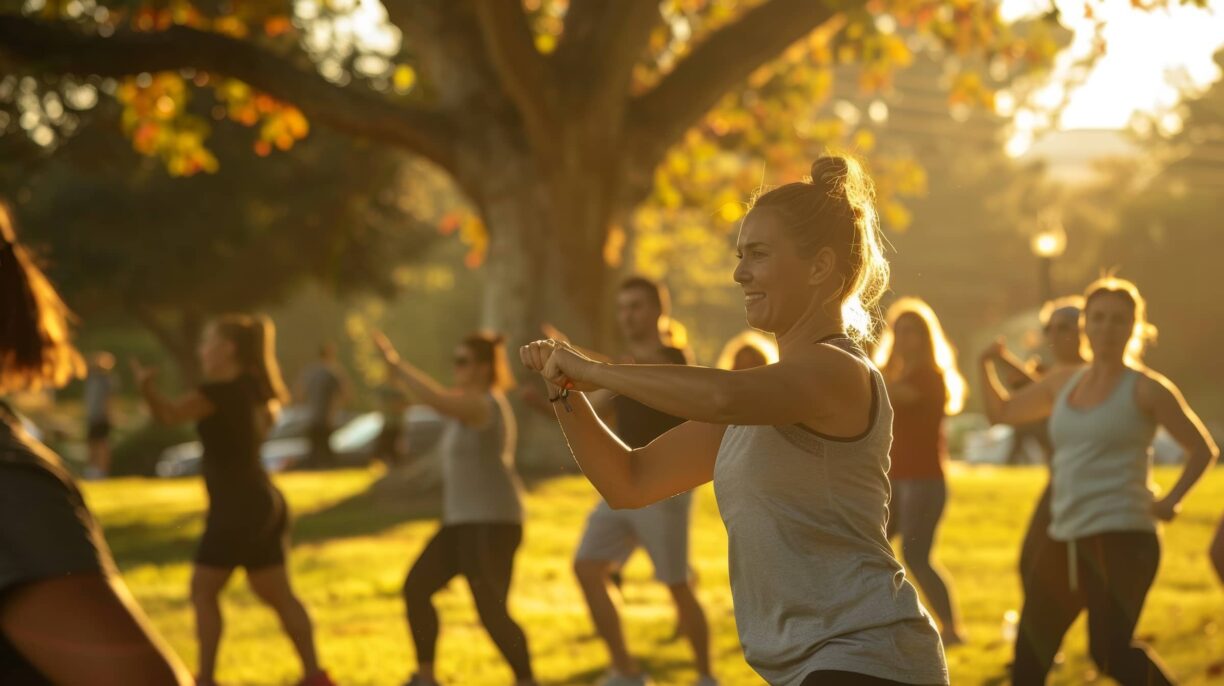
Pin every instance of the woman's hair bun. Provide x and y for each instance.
(829, 169)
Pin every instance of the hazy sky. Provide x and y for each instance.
(1134, 76)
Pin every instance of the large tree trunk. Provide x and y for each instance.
(545, 265)
(179, 338)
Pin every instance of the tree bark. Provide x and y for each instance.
(179, 338)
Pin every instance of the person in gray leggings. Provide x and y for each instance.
(919, 366)
(1104, 545)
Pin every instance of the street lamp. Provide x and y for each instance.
(1049, 243)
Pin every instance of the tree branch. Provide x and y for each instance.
(524, 73)
(659, 117)
(601, 43)
(58, 48)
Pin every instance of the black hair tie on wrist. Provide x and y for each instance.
(563, 397)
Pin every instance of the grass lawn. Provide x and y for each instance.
(353, 545)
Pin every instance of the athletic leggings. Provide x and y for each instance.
(1036, 536)
(915, 512)
(1114, 571)
(484, 554)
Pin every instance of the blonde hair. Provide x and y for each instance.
(835, 208)
(942, 353)
(1144, 332)
(747, 339)
(35, 350)
(1067, 303)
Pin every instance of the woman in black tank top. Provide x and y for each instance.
(248, 520)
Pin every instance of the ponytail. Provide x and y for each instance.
(254, 339)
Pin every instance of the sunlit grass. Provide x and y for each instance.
(353, 546)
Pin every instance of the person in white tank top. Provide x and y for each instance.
(1103, 550)
(797, 450)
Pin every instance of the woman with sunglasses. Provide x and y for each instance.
(482, 512)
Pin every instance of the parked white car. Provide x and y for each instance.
(286, 446)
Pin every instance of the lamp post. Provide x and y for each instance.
(1049, 243)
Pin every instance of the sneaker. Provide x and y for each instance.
(706, 680)
(615, 678)
(319, 678)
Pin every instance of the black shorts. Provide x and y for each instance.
(46, 531)
(98, 431)
(249, 532)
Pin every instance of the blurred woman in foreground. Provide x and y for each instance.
(66, 616)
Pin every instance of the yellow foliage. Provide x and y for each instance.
(864, 141)
(404, 78)
(545, 43)
(614, 247)
(896, 216)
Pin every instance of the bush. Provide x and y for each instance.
(137, 452)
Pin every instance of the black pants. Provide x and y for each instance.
(484, 554)
(1036, 536)
(321, 455)
(1114, 571)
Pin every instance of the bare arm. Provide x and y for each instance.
(678, 461)
(189, 408)
(470, 408)
(810, 389)
(1013, 366)
(1166, 405)
(1032, 403)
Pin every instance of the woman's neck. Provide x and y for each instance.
(816, 324)
(1108, 367)
(227, 373)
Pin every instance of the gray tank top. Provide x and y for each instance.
(479, 484)
(1102, 463)
(813, 578)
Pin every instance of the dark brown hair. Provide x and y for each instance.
(34, 322)
(835, 208)
(657, 291)
(489, 347)
(254, 340)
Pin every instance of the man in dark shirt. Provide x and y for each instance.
(611, 536)
(321, 390)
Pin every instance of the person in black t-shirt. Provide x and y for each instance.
(248, 519)
(53, 558)
(662, 529)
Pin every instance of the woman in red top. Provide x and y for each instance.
(919, 367)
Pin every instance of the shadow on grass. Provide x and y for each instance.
(396, 498)
(162, 541)
(660, 670)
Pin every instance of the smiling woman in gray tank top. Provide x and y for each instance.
(1103, 550)
(797, 450)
